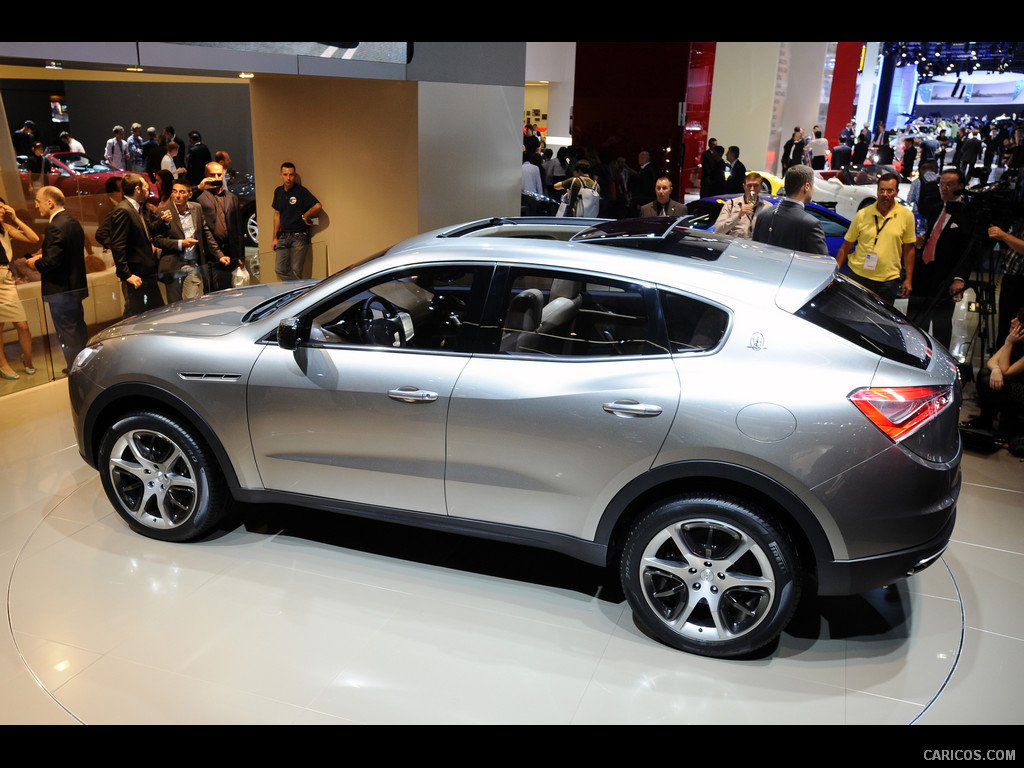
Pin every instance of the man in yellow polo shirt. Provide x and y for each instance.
(884, 234)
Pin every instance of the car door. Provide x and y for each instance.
(357, 411)
(571, 398)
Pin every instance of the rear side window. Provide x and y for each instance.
(693, 325)
(857, 315)
(575, 315)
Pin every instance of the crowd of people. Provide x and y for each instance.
(932, 267)
(887, 249)
(605, 189)
(983, 149)
(182, 242)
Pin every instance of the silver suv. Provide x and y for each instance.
(726, 424)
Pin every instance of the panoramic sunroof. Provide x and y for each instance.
(660, 234)
(659, 227)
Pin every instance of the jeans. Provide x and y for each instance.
(291, 256)
(186, 283)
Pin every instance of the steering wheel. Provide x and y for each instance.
(380, 332)
(447, 308)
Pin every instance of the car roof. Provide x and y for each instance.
(691, 260)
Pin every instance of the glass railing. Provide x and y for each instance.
(104, 304)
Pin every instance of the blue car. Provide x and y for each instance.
(704, 213)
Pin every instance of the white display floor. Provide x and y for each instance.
(300, 617)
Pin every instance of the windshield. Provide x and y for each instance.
(865, 174)
(80, 163)
(270, 306)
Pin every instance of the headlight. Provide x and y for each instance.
(83, 357)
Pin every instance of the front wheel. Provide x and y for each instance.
(711, 575)
(161, 480)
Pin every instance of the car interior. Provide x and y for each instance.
(555, 315)
(421, 311)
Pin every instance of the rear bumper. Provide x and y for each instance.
(851, 577)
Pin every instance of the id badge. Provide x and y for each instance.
(871, 262)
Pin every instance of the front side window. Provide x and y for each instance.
(425, 308)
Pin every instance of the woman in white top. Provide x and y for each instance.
(169, 162)
(11, 310)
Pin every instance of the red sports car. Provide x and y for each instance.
(82, 180)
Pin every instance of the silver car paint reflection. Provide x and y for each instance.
(323, 424)
(530, 442)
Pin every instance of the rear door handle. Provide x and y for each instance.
(412, 395)
(631, 409)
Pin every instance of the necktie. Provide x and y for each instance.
(929, 249)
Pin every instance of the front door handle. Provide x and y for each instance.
(412, 395)
(631, 409)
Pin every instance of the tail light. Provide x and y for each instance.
(901, 411)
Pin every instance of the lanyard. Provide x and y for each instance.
(878, 229)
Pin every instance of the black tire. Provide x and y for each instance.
(766, 187)
(691, 588)
(161, 479)
(866, 202)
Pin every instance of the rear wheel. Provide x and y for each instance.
(161, 479)
(710, 575)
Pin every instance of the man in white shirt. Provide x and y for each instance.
(818, 148)
(116, 151)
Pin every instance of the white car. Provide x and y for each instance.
(856, 192)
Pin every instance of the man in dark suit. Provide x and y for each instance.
(936, 284)
(788, 225)
(793, 150)
(198, 156)
(643, 187)
(737, 171)
(132, 246)
(62, 266)
(663, 204)
(188, 248)
(969, 153)
(909, 156)
(222, 212)
(707, 168)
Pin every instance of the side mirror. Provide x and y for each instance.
(288, 333)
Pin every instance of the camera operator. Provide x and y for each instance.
(1011, 291)
(222, 212)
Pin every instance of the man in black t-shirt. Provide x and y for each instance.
(294, 207)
